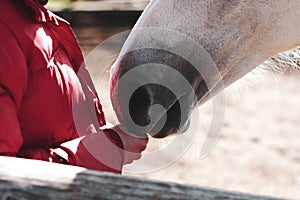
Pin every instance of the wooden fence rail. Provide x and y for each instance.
(22, 179)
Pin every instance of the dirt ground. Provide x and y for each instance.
(259, 148)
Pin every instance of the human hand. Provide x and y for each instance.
(133, 145)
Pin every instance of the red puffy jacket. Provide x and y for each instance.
(40, 63)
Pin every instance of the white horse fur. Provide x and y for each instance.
(239, 35)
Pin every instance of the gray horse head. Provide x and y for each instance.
(181, 53)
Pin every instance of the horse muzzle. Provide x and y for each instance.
(152, 97)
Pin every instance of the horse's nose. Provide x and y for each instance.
(158, 108)
(150, 94)
(139, 105)
(135, 112)
(152, 109)
(131, 103)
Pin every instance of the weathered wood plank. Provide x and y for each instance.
(22, 179)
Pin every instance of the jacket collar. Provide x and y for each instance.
(42, 14)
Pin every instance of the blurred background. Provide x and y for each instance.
(57, 5)
(259, 148)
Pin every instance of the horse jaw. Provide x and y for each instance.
(238, 34)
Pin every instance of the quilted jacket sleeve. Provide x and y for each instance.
(100, 151)
(97, 151)
(13, 80)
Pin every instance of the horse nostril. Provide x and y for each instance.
(175, 114)
(139, 104)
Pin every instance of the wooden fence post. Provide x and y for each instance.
(22, 179)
